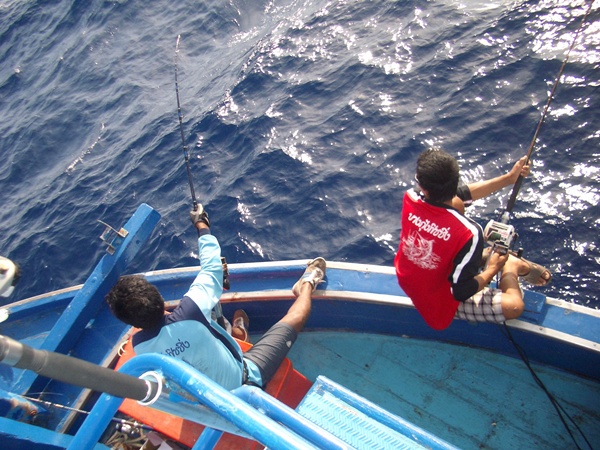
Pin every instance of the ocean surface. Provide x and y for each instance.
(304, 120)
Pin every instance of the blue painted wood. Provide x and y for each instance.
(361, 423)
(334, 309)
(573, 322)
(31, 320)
(90, 298)
(471, 398)
(535, 306)
(20, 436)
(349, 315)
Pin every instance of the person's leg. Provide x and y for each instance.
(497, 304)
(266, 355)
(298, 313)
(484, 306)
(512, 296)
(271, 349)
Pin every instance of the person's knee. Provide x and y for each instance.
(512, 307)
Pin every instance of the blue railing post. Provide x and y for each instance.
(96, 422)
(208, 439)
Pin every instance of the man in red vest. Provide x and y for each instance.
(441, 263)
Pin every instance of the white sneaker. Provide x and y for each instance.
(314, 274)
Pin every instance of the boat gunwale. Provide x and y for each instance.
(176, 279)
(331, 293)
(240, 268)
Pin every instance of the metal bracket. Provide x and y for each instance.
(112, 238)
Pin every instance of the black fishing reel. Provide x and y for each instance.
(226, 283)
(501, 236)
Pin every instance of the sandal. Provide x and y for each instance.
(241, 324)
(537, 275)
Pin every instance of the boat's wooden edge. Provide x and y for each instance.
(550, 322)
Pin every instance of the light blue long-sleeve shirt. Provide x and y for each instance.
(188, 333)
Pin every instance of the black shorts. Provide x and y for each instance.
(271, 349)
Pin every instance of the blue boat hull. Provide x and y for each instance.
(360, 309)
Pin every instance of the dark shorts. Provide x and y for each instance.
(271, 349)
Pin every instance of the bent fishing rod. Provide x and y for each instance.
(517, 186)
(498, 232)
(505, 235)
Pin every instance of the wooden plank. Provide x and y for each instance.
(19, 436)
(67, 329)
(469, 397)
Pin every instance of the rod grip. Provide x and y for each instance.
(513, 195)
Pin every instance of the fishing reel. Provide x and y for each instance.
(500, 235)
(226, 283)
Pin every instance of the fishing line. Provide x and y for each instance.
(517, 186)
(562, 413)
(123, 422)
(186, 154)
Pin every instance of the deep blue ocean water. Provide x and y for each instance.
(304, 121)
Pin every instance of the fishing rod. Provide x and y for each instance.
(500, 233)
(517, 186)
(74, 371)
(186, 156)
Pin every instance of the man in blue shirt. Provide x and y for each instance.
(189, 333)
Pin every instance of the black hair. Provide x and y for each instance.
(438, 174)
(136, 302)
